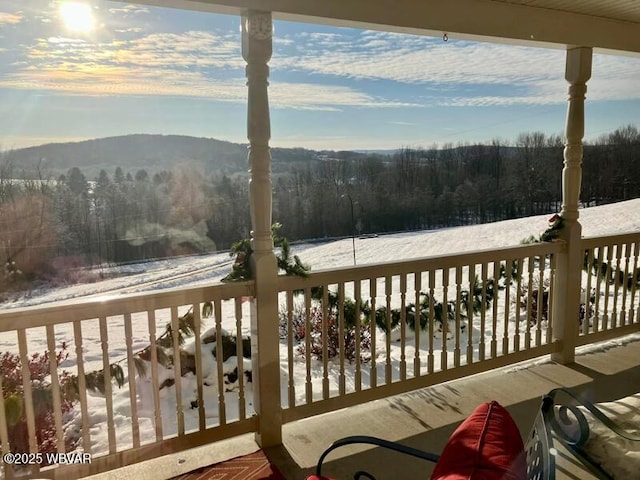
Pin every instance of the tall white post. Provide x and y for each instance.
(566, 294)
(257, 32)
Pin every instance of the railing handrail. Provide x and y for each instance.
(599, 240)
(383, 269)
(104, 306)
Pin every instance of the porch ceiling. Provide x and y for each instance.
(602, 24)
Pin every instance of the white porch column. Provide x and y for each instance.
(257, 30)
(566, 294)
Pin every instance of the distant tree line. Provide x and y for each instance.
(50, 224)
(452, 185)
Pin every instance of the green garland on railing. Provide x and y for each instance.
(556, 224)
(601, 269)
(241, 269)
(482, 296)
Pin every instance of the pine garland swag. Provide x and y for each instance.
(481, 298)
(241, 269)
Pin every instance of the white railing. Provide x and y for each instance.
(347, 336)
(476, 311)
(610, 305)
(118, 368)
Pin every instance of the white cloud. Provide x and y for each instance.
(123, 81)
(191, 64)
(409, 59)
(129, 9)
(210, 65)
(309, 96)
(10, 18)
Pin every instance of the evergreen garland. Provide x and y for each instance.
(602, 270)
(556, 224)
(482, 296)
(241, 269)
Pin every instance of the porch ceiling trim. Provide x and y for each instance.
(612, 25)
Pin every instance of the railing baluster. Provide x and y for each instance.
(507, 302)
(470, 312)
(55, 387)
(341, 320)
(291, 385)
(552, 280)
(615, 272)
(357, 291)
(28, 395)
(607, 289)
(528, 301)
(598, 272)
(540, 300)
(325, 342)
(456, 348)
(417, 322)
(431, 320)
(222, 406)
(483, 313)
(373, 291)
(625, 286)
(82, 386)
(197, 334)
(177, 369)
(634, 307)
(388, 289)
(403, 326)
(587, 317)
(444, 357)
(157, 415)
(108, 390)
(494, 312)
(133, 397)
(242, 406)
(307, 345)
(518, 296)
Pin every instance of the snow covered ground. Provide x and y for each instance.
(200, 270)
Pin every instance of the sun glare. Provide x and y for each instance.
(77, 17)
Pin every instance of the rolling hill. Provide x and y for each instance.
(145, 151)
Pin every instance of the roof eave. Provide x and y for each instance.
(478, 20)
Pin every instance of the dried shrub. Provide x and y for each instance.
(350, 334)
(13, 392)
(585, 313)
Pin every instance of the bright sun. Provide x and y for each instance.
(77, 17)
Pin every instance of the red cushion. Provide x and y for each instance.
(315, 477)
(486, 446)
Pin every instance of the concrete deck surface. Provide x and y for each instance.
(426, 418)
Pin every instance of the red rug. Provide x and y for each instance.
(255, 466)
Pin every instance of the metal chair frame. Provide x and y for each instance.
(553, 421)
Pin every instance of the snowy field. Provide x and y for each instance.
(612, 219)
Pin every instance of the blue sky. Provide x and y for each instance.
(153, 70)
